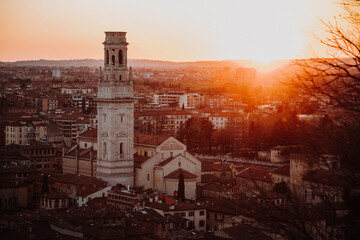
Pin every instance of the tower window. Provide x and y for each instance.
(107, 56)
(121, 148)
(119, 77)
(120, 57)
(104, 148)
(113, 60)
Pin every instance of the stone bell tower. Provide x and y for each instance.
(115, 105)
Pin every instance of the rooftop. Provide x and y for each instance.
(148, 139)
(176, 174)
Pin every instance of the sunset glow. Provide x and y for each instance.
(260, 30)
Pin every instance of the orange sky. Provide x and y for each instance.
(186, 30)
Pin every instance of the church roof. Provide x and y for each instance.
(166, 161)
(139, 160)
(176, 174)
(149, 139)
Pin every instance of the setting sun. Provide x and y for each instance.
(261, 30)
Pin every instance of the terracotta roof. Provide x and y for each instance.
(148, 139)
(74, 179)
(176, 174)
(206, 178)
(139, 160)
(166, 161)
(256, 173)
(38, 145)
(207, 160)
(209, 167)
(55, 195)
(239, 168)
(83, 154)
(246, 232)
(284, 171)
(161, 112)
(215, 186)
(180, 206)
(89, 133)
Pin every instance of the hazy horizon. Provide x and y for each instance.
(183, 31)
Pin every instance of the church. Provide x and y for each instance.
(117, 155)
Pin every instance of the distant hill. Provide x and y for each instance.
(136, 63)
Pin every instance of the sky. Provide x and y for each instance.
(170, 30)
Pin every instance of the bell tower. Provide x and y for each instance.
(115, 105)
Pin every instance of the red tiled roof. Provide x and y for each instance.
(284, 171)
(256, 173)
(148, 139)
(206, 178)
(139, 160)
(208, 160)
(82, 153)
(214, 186)
(161, 112)
(55, 195)
(209, 167)
(89, 133)
(163, 163)
(80, 180)
(239, 168)
(176, 174)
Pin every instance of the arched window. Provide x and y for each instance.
(120, 57)
(104, 148)
(107, 56)
(121, 148)
(119, 77)
(113, 60)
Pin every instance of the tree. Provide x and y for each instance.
(336, 78)
(335, 82)
(197, 133)
(181, 187)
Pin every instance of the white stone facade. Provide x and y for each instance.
(169, 156)
(115, 162)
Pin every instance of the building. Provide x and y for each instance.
(24, 132)
(49, 104)
(245, 76)
(160, 122)
(115, 101)
(193, 100)
(56, 73)
(43, 155)
(254, 180)
(170, 98)
(219, 121)
(161, 160)
(71, 125)
(15, 133)
(195, 213)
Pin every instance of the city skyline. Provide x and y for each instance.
(178, 31)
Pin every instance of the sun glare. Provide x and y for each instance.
(261, 30)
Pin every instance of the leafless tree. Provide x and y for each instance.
(336, 78)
